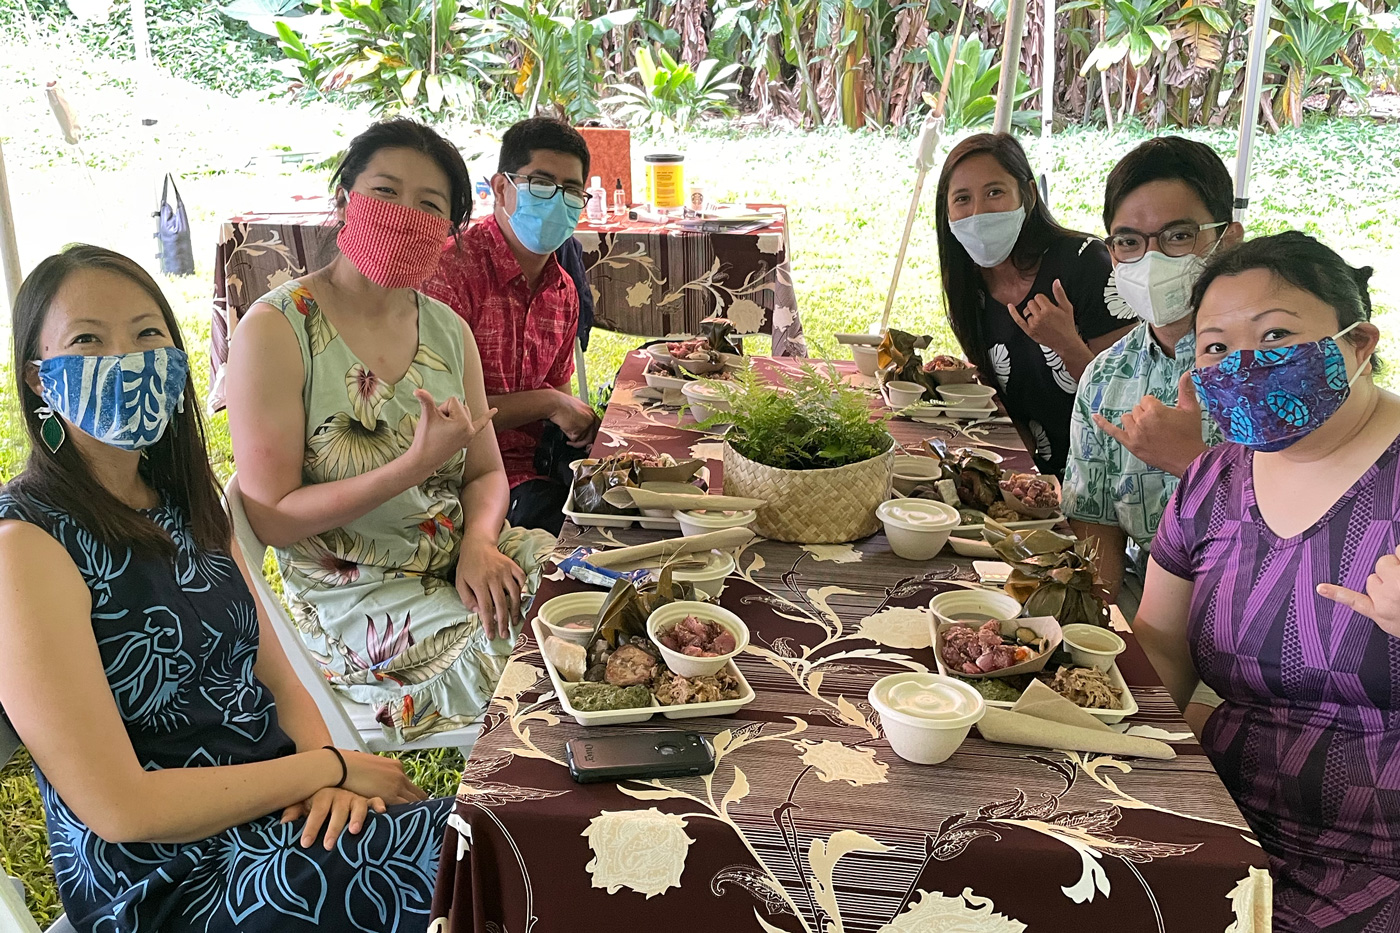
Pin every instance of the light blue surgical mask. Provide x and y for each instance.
(542, 224)
(126, 401)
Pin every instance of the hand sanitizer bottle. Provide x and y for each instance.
(598, 202)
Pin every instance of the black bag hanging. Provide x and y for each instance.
(173, 232)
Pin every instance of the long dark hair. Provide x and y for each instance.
(1306, 264)
(176, 466)
(963, 288)
(402, 133)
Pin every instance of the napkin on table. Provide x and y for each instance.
(1044, 719)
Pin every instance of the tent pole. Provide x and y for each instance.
(1047, 72)
(1249, 116)
(1010, 65)
(9, 246)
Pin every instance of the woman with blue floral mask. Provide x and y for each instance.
(1024, 295)
(1275, 577)
(188, 780)
(366, 455)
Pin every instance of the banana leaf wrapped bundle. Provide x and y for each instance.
(898, 360)
(593, 480)
(722, 335)
(626, 610)
(1051, 574)
(979, 482)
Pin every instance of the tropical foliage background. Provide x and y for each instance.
(856, 63)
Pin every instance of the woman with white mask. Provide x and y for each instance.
(1167, 207)
(1024, 295)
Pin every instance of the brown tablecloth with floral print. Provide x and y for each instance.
(809, 821)
(647, 279)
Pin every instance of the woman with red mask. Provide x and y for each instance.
(366, 455)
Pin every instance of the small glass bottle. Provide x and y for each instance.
(619, 199)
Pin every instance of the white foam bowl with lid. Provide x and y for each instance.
(683, 664)
(560, 608)
(707, 579)
(970, 395)
(925, 716)
(705, 401)
(911, 471)
(917, 529)
(706, 521)
(959, 606)
(867, 359)
(1092, 646)
(903, 394)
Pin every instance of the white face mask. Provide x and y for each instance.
(990, 238)
(1158, 287)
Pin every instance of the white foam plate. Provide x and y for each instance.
(619, 717)
(598, 520)
(1110, 716)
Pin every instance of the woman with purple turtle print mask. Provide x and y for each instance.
(1275, 578)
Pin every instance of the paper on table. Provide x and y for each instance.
(625, 497)
(727, 539)
(1044, 719)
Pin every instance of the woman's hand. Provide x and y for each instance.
(1381, 601)
(376, 776)
(490, 584)
(442, 431)
(336, 809)
(1049, 322)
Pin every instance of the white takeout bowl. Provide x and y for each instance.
(705, 401)
(867, 359)
(684, 664)
(948, 607)
(911, 471)
(708, 580)
(560, 608)
(970, 395)
(1092, 646)
(674, 489)
(917, 529)
(706, 521)
(926, 734)
(903, 394)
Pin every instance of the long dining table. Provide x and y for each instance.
(809, 821)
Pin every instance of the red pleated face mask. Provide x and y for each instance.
(393, 246)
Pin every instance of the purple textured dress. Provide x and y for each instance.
(1308, 738)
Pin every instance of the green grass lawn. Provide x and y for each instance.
(847, 195)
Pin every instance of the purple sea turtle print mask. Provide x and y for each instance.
(1271, 399)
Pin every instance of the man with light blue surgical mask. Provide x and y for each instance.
(502, 276)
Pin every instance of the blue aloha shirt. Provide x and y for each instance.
(1104, 483)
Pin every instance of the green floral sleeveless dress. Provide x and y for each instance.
(375, 600)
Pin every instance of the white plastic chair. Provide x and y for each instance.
(14, 915)
(351, 724)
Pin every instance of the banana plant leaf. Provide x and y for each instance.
(626, 610)
(1051, 574)
(979, 482)
(898, 360)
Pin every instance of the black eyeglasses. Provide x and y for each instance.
(544, 189)
(1174, 240)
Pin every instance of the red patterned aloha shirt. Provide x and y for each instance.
(526, 339)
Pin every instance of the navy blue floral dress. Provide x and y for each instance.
(178, 646)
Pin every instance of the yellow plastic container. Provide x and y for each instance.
(665, 180)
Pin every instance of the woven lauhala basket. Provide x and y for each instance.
(812, 506)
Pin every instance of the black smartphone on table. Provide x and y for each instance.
(649, 754)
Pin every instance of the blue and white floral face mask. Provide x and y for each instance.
(1271, 399)
(126, 401)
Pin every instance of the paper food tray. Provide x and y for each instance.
(598, 520)
(619, 717)
(1109, 716)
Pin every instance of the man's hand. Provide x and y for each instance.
(576, 419)
(1049, 322)
(1381, 601)
(490, 584)
(1167, 438)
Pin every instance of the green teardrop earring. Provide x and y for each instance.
(51, 430)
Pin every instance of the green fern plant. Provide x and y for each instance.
(814, 421)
